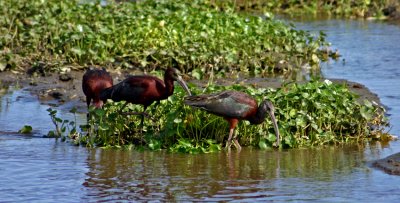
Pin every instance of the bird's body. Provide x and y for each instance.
(234, 106)
(93, 82)
(141, 89)
(144, 89)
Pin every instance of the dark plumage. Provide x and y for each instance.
(93, 82)
(234, 106)
(145, 89)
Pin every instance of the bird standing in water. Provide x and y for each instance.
(144, 89)
(235, 106)
(93, 82)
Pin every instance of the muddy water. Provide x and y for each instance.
(36, 169)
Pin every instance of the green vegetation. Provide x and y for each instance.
(191, 35)
(343, 8)
(201, 38)
(62, 127)
(27, 129)
(310, 114)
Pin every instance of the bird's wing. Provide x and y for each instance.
(226, 103)
(131, 88)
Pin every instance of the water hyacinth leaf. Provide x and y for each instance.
(305, 95)
(154, 144)
(177, 120)
(26, 129)
(51, 133)
(271, 137)
(104, 127)
(59, 120)
(366, 113)
(214, 148)
(77, 51)
(368, 103)
(262, 144)
(196, 74)
(99, 112)
(105, 30)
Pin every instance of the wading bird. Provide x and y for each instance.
(144, 89)
(93, 82)
(235, 106)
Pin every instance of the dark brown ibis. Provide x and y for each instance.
(144, 89)
(93, 82)
(235, 106)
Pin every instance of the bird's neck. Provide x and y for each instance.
(169, 86)
(259, 116)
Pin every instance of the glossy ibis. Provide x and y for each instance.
(235, 106)
(144, 89)
(93, 82)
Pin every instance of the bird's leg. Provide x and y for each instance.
(229, 141)
(232, 126)
(154, 113)
(142, 124)
(236, 142)
(88, 100)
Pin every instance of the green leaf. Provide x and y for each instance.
(26, 129)
(262, 144)
(154, 144)
(365, 113)
(177, 120)
(100, 112)
(368, 104)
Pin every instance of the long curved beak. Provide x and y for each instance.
(272, 115)
(183, 84)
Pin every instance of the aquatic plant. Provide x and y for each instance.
(63, 128)
(26, 129)
(314, 113)
(191, 35)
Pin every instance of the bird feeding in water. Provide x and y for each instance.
(93, 82)
(235, 106)
(145, 89)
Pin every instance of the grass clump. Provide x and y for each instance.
(310, 114)
(191, 35)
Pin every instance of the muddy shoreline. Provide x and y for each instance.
(65, 90)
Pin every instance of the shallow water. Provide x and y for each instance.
(36, 169)
(370, 55)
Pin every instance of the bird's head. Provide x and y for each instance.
(175, 74)
(267, 106)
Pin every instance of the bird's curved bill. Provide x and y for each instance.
(184, 86)
(274, 122)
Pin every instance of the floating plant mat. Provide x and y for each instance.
(310, 114)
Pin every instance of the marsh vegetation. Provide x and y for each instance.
(311, 114)
(204, 39)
